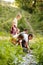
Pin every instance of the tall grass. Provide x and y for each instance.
(10, 54)
(38, 50)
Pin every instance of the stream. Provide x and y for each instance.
(29, 59)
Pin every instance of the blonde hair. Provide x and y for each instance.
(19, 15)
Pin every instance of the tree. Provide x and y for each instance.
(29, 5)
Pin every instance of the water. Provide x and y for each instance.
(29, 60)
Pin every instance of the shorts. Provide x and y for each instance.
(23, 43)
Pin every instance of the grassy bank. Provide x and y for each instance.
(38, 49)
(10, 54)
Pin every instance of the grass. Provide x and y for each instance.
(12, 55)
(4, 33)
(8, 13)
(9, 53)
(38, 49)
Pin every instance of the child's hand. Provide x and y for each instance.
(29, 51)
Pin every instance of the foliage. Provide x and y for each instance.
(10, 54)
(22, 24)
(7, 16)
(26, 4)
(30, 5)
(38, 50)
(8, 13)
(37, 22)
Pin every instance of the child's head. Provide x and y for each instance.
(19, 16)
(26, 31)
(30, 36)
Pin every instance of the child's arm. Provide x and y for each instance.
(27, 46)
(20, 43)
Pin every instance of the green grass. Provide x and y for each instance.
(8, 13)
(38, 50)
(10, 53)
(4, 33)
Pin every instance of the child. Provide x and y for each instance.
(25, 40)
(14, 28)
(20, 36)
